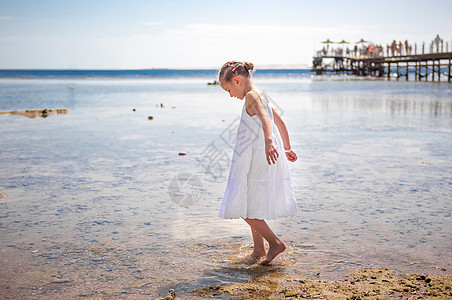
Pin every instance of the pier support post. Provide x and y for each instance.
(439, 67)
(419, 70)
(398, 75)
(389, 70)
(448, 79)
(415, 71)
(426, 70)
(433, 70)
(407, 70)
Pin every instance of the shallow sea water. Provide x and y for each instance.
(92, 205)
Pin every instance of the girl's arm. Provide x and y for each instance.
(254, 107)
(291, 156)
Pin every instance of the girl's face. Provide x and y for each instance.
(234, 87)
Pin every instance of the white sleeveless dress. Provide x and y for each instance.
(255, 189)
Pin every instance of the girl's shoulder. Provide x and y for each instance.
(257, 95)
(252, 95)
(252, 101)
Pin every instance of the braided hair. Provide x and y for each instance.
(234, 68)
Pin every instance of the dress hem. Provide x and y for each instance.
(257, 218)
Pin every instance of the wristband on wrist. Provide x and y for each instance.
(290, 149)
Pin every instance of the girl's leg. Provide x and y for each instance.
(276, 246)
(259, 247)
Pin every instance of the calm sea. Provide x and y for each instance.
(150, 73)
(100, 203)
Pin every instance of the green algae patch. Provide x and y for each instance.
(369, 283)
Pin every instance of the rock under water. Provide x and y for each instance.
(33, 113)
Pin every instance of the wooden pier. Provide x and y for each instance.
(431, 66)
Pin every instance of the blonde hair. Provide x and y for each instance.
(234, 68)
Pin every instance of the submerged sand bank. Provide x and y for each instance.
(370, 283)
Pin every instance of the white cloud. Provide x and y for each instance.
(4, 18)
(194, 44)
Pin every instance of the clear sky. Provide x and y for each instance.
(116, 34)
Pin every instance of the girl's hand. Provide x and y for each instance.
(271, 153)
(291, 156)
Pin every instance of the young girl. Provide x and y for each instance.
(259, 185)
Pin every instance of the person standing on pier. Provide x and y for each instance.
(400, 48)
(393, 48)
(437, 40)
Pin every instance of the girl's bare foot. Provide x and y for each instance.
(273, 251)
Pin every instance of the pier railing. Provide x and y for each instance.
(391, 50)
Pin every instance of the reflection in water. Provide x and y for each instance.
(367, 110)
(434, 107)
(399, 105)
(33, 113)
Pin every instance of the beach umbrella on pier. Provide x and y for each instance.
(361, 42)
(327, 42)
(342, 43)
